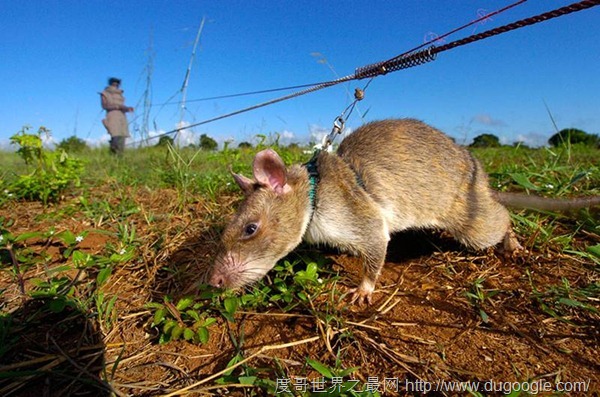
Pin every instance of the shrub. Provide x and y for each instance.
(486, 140)
(165, 141)
(52, 172)
(72, 145)
(207, 143)
(574, 136)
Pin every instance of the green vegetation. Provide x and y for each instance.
(207, 143)
(48, 175)
(294, 284)
(485, 141)
(72, 144)
(478, 295)
(61, 287)
(573, 136)
(165, 140)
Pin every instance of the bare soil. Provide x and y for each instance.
(420, 327)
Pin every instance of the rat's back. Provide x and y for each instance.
(418, 176)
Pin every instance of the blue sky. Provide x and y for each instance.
(57, 55)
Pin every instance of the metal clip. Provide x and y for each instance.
(338, 127)
(359, 94)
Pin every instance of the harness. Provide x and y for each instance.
(314, 177)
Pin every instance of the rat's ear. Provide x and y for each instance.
(246, 184)
(269, 170)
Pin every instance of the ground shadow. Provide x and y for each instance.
(187, 265)
(44, 353)
(411, 244)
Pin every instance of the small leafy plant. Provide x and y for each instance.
(290, 286)
(186, 319)
(190, 317)
(296, 282)
(478, 295)
(51, 174)
(57, 286)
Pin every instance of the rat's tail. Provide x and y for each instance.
(521, 200)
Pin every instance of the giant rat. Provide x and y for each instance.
(387, 176)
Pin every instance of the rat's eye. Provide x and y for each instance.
(250, 229)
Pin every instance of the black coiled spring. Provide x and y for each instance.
(398, 63)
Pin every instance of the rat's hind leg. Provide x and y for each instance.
(485, 223)
(510, 243)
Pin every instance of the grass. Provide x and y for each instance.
(106, 279)
(547, 171)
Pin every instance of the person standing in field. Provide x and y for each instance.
(116, 121)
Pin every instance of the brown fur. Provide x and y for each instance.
(387, 176)
(414, 177)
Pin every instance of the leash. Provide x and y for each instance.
(413, 57)
(338, 128)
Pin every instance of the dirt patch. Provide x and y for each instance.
(422, 326)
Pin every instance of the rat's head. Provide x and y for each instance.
(268, 225)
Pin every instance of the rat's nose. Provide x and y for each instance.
(217, 280)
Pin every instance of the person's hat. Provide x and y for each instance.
(114, 80)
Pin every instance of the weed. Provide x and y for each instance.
(478, 296)
(250, 377)
(179, 173)
(58, 287)
(58, 293)
(102, 210)
(18, 257)
(187, 319)
(105, 309)
(52, 172)
(126, 234)
(543, 171)
(295, 283)
(541, 228)
(564, 302)
(291, 286)
(592, 253)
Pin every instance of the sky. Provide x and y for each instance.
(56, 56)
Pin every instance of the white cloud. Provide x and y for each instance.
(48, 141)
(98, 142)
(221, 141)
(5, 145)
(153, 137)
(504, 140)
(317, 133)
(488, 120)
(286, 137)
(533, 139)
(184, 136)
